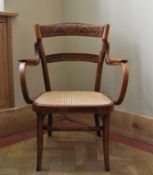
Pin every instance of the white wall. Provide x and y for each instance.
(81, 11)
(30, 13)
(1, 5)
(131, 38)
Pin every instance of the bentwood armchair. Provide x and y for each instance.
(51, 102)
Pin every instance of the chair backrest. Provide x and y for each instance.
(72, 29)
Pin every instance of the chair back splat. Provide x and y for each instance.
(72, 29)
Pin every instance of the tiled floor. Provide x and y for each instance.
(74, 154)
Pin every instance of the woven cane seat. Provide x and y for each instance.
(72, 99)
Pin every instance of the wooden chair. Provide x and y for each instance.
(51, 102)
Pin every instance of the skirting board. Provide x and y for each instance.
(126, 124)
(15, 120)
(123, 123)
(133, 126)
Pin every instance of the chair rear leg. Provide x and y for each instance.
(106, 141)
(97, 124)
(50, 119)
(40, 119)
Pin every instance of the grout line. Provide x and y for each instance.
(17, 137)
(132, 142)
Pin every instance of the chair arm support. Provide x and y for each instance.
(124, 67)
(22, 74)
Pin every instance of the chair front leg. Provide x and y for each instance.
(40, 118)
(50, 119)
(97, 124)
(106, 122)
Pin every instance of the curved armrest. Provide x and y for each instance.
(123, 65)
(22, 73)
